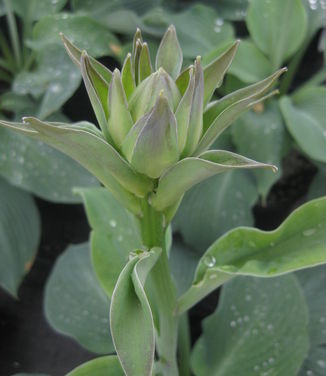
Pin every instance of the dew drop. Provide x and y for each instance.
(309, 232)
(113, 223)
(210, 261)
(233, 324)
(248, 298)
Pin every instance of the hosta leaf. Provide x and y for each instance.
(115, 234)
(75, 304)
(183, 262)
(250, 64)
(234, 10)
(104, 366)
(214, 207)
(262, 136)
(210, 30)
(80, 29)
(81, 140)
(19, 235)
(316, 12)
(318, 187)
(298, 243)
(305, 118)
(54, 80)
(131, 319)
(36, 167)
(259, 328)
(221, 113)
(313, 282)
(190, 171)
(36, 9)
(278, 27)
(102, 7)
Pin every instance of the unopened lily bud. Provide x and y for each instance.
(151, 145)
(146, 94)
(120, 120)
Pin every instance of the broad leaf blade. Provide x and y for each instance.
(305, 118)
(278, 27)
(313, 282)
(215, 206)
(299, 242)
(131, 317)
(114, 234)
(262, 136)
(40, 169)
(19, 235)
(104, 366)
(190, 171)
(259, 328)
(75, 304)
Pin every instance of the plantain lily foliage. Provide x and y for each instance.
(157, 123)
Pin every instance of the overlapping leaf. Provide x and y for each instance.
(104, 366)
(19, 235)
(115, 234)
(131, 317)
(297, 244)
(75, 303)
(259, 328)
(190, 171)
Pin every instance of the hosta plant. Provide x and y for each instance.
(156, 125)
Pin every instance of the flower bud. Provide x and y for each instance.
(146, 94)
(151, 145)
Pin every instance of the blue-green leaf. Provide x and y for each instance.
(19, 235)
(259, 328)
(75, 303)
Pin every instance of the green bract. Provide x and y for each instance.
(155, 125)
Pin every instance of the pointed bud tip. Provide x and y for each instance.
(171, 28)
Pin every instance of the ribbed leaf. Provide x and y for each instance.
(104, 366)
(169, 54)
(131, 317)
(120, 120)
(92, 152)
(215, 71)
(190, 171)
(114, 234)
(300, 242)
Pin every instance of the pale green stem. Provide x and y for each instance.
(13, 32)
(184, 345)
(163, 292)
